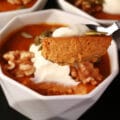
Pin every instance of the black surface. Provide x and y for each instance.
(107, 107)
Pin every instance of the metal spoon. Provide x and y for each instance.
(113, 30)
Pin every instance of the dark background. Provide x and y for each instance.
(107, 107)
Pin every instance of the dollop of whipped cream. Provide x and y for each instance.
(73, 30)
(111, 6)
(47, 71)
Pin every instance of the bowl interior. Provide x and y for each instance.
(56, 16)
(36, 106)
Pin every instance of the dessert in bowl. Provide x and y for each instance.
(102, 11)
(40, 60)
(9, 5)
(11, 8)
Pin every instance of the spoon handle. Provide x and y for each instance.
(116, 37)
(113, 30)
(118, 23)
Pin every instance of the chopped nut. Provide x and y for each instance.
(89, 6)
(11, 65)
(20, 63)
(9, 56)
(26, 35)
(23, 66)
(30, 71)
(26, 55)
(86, 73)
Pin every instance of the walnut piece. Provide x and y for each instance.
(85, 72)
(19, 63)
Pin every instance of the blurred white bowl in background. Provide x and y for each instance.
(6, 16)
(72, 9)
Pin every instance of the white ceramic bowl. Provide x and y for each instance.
(39, 107)
(71, 8)
(6, 16)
